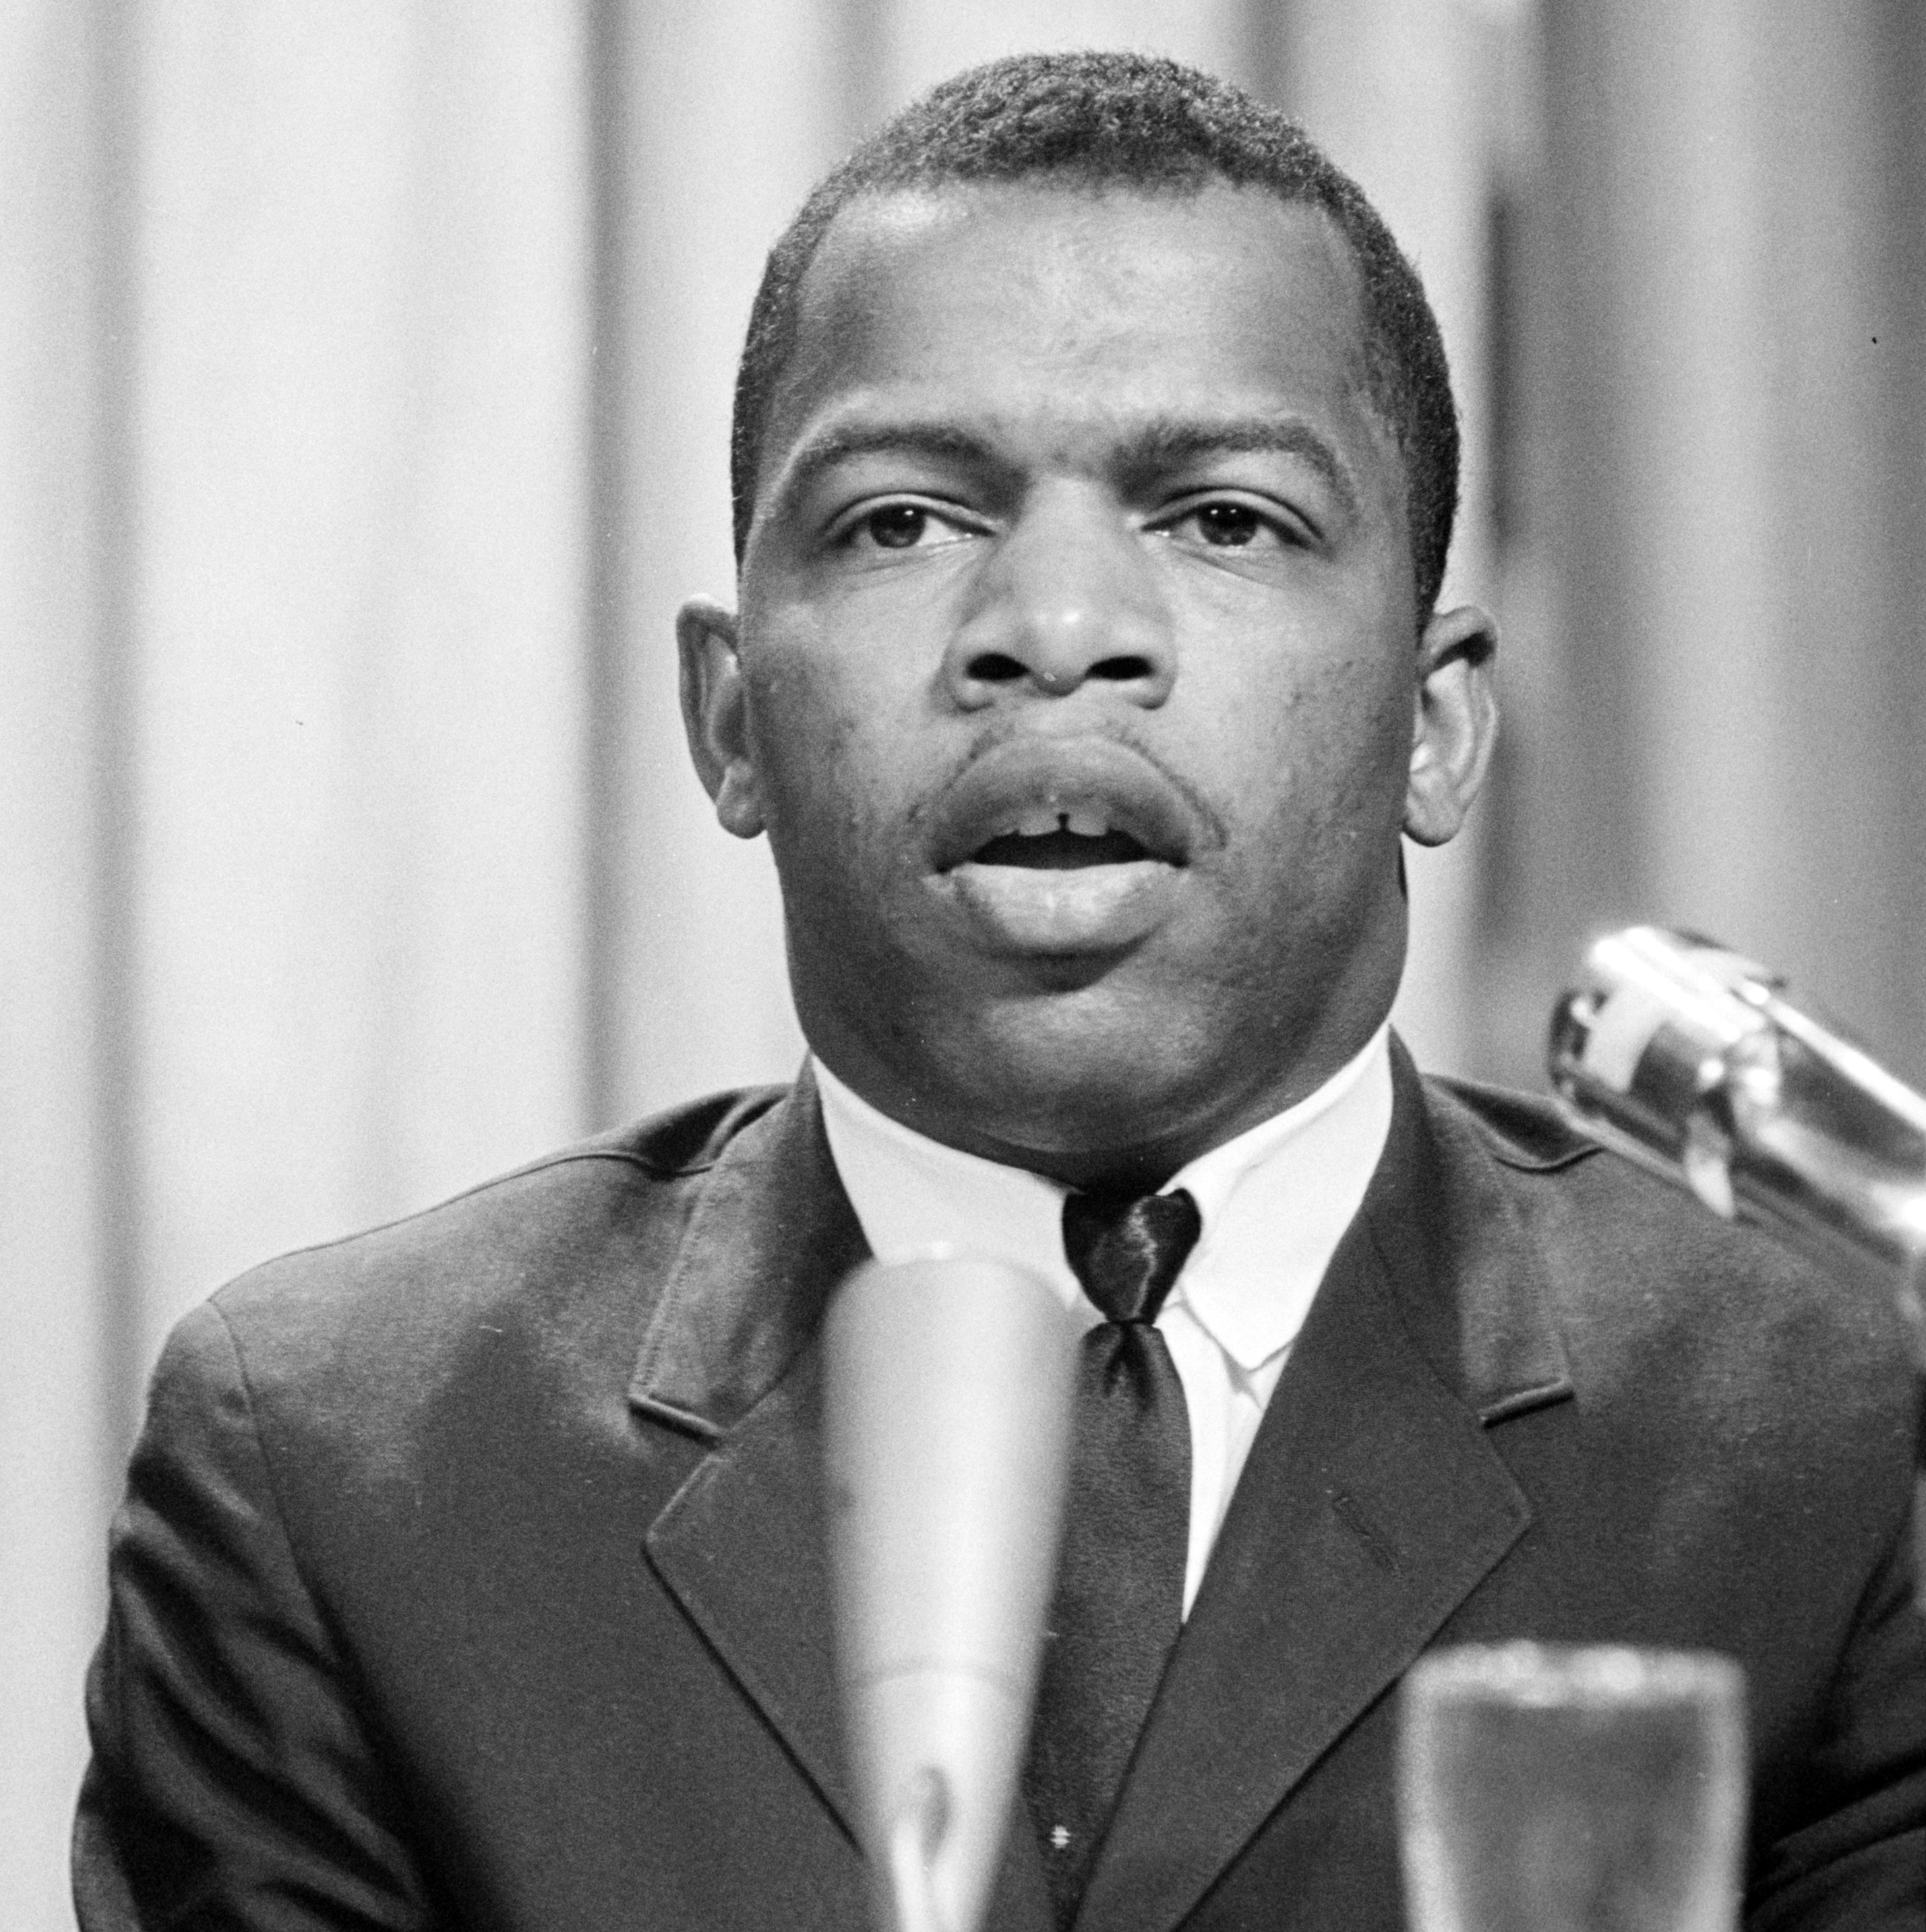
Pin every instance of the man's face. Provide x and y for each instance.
(1076, 681)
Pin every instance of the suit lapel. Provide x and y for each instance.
(1372, 1504)
(732, 1359)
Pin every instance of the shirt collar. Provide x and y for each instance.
(1274, 1202)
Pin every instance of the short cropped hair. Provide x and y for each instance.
(1097, 121)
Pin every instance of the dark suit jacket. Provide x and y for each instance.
(470, 1572)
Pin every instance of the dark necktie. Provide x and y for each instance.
(1120, 1594)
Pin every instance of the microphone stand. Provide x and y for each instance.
(916, 1835)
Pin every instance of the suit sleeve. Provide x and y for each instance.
(235, 1784)
(1860, 1864)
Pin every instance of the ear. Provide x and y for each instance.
(1457, 723)
(714, 708)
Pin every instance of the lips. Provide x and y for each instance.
(1055, 804)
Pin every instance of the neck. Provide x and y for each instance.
(1094, 1150)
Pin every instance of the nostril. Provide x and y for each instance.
(1000, 667)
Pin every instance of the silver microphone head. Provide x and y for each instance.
(1691, 1060)
(947, 1397)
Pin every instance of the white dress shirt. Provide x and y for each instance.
(1274, 1203)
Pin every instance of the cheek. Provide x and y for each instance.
(800, 718)
(824, 758)
(1333, 747)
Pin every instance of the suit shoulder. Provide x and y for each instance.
(1639, 1273)
(1523, 1131)
(592, 1222)
(1591, 1212)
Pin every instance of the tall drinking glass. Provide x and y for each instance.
(1550, 1788)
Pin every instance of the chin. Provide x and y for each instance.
(1077, 1076)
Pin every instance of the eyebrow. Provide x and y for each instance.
(1167, 443)
(1146, 450)
(942, 442)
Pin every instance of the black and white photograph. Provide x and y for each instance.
(964, 966)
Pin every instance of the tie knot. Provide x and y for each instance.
(1125, 1249)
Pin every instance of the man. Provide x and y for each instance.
(1095, 462)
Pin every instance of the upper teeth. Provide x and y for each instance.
(1038, 821)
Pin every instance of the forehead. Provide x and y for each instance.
(1023, 306)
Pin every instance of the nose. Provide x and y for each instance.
(1068, 597)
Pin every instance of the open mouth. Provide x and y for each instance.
(1064, 849)
(1061, 842)
(1041, 805)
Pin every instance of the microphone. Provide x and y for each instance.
(1689, 1060)
(948, 1387)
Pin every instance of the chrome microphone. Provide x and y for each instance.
(947, 1397)
(1689, 1060)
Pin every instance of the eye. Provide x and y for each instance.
(902, 526)
(1224, 523)
(899, 527)
(1230, 525)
